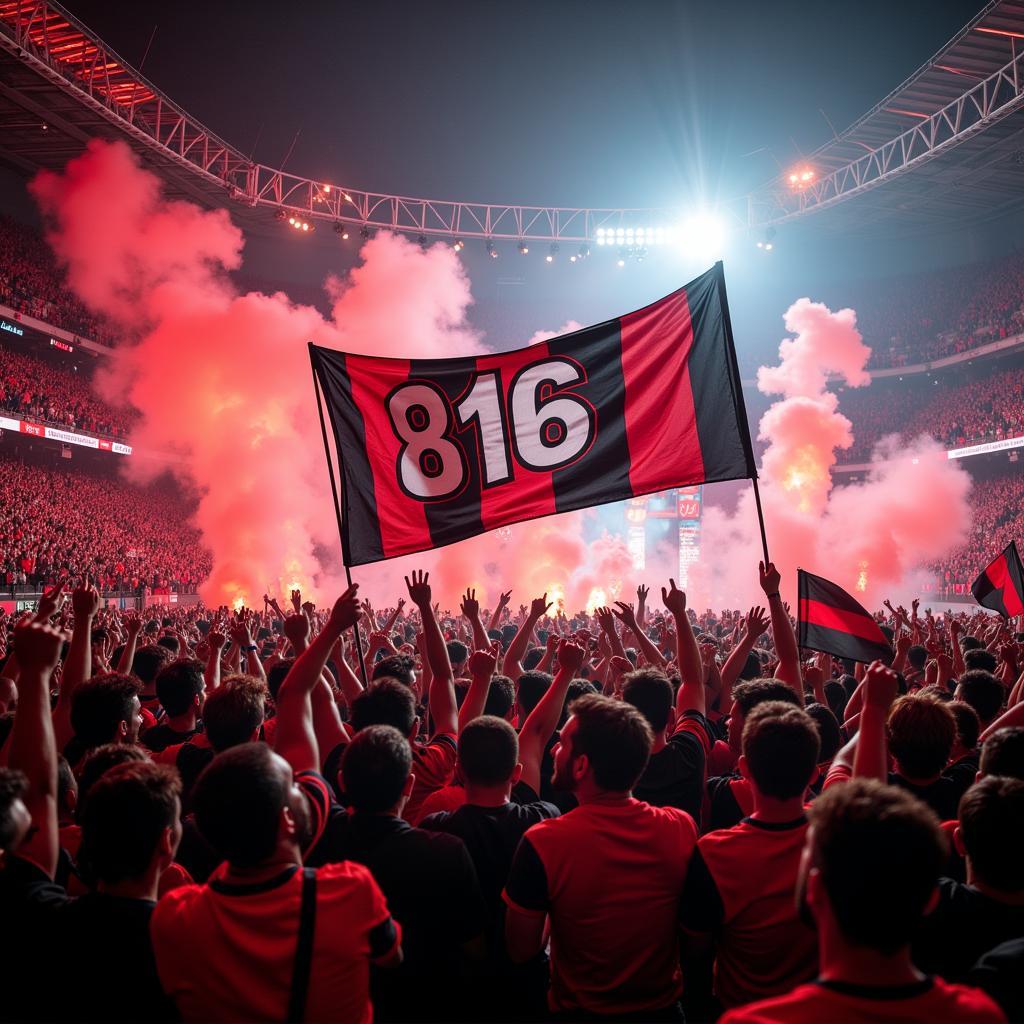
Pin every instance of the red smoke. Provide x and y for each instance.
(867, 537)
(223, 385)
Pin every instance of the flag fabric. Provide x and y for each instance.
(833, 622)
(1001, 586)
(433, 451)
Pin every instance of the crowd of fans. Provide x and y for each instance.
(928, 316)
(473, 814)
(58, 525)
(37, 390)
(954, 412)
(31, 283)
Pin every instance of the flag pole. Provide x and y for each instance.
(740, 405)
(337, 503)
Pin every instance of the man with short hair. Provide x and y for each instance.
(266, 939)
(1003, 753)
(608, 875)
(971, 919)
(921, 731)
(181, 690)
(427, 877)
(104, 709)
(870, 865)
(983, 692)
(741, 880)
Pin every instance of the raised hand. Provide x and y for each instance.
(771, 578)
(345, 612)
(216, 639)
(483, 663)
(470, 606)
(296, 598)
(756, 622)
(626, 614)
(674, 599)
(37, 644)
(641, 594)
(605, 619)
(539, 606)
(504, 599)
(571, 655)
(85, 601)
(419, 589)
(296, 628)
(50, 604)
(880, 687)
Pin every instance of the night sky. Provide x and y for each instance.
(640, 103)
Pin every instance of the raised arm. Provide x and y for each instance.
(871, 760)
(782, 630)
(481, 668)
(85, 602)
(32, 747)
(691, 695)
(295, 739)
(134, 628)
(389, 625)
(641, 605)
(514, 655)
(754, 627)
(444, 710)
(543, 719)
(471, 611)
(499, 609)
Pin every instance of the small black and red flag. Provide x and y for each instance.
(436, 450)
(831, 621)
(1001, 586)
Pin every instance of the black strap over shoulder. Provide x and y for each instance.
(303, 949)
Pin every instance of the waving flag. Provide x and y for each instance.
(1001, 586)
(434, 451)
(831, 621)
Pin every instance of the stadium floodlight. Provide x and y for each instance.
(552, 253)
(702, 236)
(523, 248)
(491, 250)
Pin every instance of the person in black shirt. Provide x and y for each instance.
(499, 809)
(674, 776)
(181, 689)
(427, 878)
(973, 918)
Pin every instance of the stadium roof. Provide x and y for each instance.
(945, 146)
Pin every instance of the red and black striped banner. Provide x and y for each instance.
(434, 451)
(831, 621)
(1001, 586)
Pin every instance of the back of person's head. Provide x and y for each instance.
(828, 731)
(921, 734)
(14, 818)
(577, 688)
(238, 800)
(751, 667)
(532, 658)
(650, 692)
(1002, 753)
(375, 768)
(458, 652)
(171, 643)
(179, 684)
(992, 831)
(234, 711)
(531, 687)
(980, 659)
(971, 643)
(501, 695)
(917, 656)
(488, 751)
(615, 738)
(98, 762)
(968, 725)
(130, 810)
(780, 748)
(983, 691)
(508, 634)
(67, 786)
(756, 691)
(878, 851)
(100, 705)
(385, 702)
(276, 675)
(396, 666)
(149, 660)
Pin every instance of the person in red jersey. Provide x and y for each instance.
(266, 939)
(869, 870)
(608, 875)
(741, 880)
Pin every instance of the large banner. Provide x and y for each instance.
(434, 451)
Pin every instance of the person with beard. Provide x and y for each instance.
(607, 876)
(266, 938)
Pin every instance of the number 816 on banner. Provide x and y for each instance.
(539, 423)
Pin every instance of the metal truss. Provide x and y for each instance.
(986, 103)
(47, 38)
